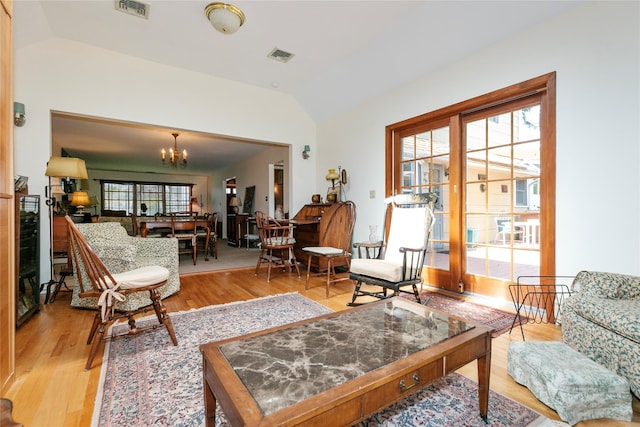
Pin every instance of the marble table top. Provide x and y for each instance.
(292, 364)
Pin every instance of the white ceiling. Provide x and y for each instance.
(346, 52)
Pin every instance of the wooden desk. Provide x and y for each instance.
(307, 233)
(407, 347)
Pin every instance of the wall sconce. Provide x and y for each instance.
(19, 116)
(305, 152)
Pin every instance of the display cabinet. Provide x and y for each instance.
(27, 257)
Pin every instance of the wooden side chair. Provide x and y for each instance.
(275, 239)
(109, 288)
(335, 234)
(184, 229)
(208, 238)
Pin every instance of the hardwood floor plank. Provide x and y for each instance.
(53, 389)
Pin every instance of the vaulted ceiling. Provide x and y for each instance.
(346, 52)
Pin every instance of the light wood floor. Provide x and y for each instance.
(51, 387)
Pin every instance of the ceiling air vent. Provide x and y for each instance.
(280, 55)
(132, 7)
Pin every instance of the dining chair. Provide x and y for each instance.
(184, 229)
(276, 244)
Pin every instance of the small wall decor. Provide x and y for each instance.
(505, 188)
(249, 193)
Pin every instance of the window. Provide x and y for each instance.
(157, 197)
(521, 192)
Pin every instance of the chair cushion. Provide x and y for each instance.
(323, 250)
(141, 277)
(381, 269)
(280, 241)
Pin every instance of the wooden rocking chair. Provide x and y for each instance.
(110, 288)
(400, 257)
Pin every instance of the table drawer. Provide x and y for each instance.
(399, 387)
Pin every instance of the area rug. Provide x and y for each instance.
(147, 381)
(500, 321)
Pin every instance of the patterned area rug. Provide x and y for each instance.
(147, 381)
(499, 320)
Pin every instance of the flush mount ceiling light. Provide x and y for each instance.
(224, 17)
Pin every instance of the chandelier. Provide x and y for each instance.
(175, 157)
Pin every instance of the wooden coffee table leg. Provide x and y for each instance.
(484, 370)
(209, 402)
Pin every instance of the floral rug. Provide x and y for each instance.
(147, 381)
(500, 321)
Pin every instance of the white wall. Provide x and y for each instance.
(595, 50)
(253, 171)
(73, 77)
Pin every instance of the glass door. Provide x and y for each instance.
(501, 180)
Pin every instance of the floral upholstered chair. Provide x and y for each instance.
(121, 252)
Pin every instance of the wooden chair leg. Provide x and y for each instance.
(294, 261)
(161, 314)
(269, 266)
(259, 261)
(97, 339)
(94, 327)
(306, 285)
(329, 270)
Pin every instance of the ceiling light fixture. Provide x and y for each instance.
(174, 155)
(224, 17)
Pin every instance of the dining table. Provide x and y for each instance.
(164, 228)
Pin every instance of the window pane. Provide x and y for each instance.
(527, 124)
(407, 148)
(499, 130)
(177, 198)
(151, 196)
(118, 197)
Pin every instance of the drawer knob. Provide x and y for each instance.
(404, 387)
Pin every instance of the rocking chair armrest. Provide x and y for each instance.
(403, 249)
(372, 250)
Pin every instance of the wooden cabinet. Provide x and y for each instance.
(308, 222)
(236, 228)
(27, 257)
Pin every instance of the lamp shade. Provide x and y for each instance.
(224, 17)
(332, 175)
(236, 203)
(80, 198)
(66, 167)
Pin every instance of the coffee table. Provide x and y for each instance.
(339, 368)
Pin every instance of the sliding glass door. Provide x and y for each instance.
(491, 161)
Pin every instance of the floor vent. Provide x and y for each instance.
(280, 55)
(132, 7)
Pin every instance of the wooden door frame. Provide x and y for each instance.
(546, 85)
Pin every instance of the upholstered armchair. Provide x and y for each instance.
(121, 252)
